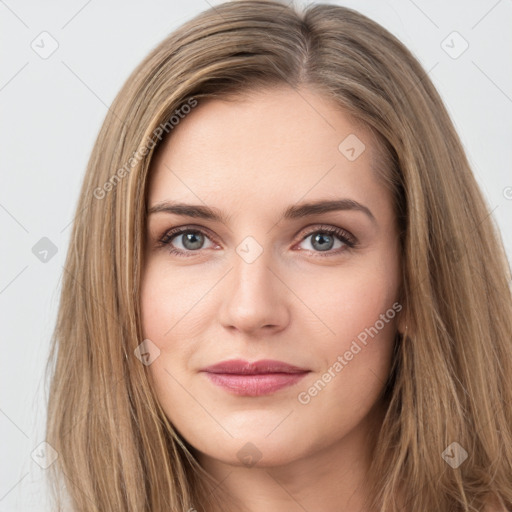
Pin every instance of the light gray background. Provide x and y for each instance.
(52, 110)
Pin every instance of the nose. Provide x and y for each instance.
(254, 298)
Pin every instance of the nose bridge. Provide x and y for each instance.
(255, 298)
(251, 264)
(252, 279)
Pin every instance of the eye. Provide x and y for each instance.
(324, 240)
(191, 240)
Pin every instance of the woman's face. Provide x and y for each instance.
(276, 279)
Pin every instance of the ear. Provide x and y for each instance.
(401, 322)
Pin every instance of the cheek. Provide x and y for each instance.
(169, 300)
(348, 301)
(166, 302)
(360, 310)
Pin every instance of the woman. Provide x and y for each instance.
(283, 289)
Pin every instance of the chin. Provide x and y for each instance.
(254, 449)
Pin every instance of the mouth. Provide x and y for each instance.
(254, 379)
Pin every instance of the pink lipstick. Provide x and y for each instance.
(254, 379)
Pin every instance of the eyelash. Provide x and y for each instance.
(344, 236)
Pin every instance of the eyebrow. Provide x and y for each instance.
(292, 212)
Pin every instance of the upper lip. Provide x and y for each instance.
(241, 367)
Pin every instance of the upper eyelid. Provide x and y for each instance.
(174, 232)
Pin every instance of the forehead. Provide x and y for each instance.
(275, 146)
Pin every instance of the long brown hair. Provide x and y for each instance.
(451, 380)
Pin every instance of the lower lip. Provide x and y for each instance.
(256, 384)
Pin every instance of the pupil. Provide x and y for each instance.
(321, 239)
(194, 239)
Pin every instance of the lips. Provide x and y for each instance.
(254, 379)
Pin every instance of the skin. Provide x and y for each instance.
(252, 158)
